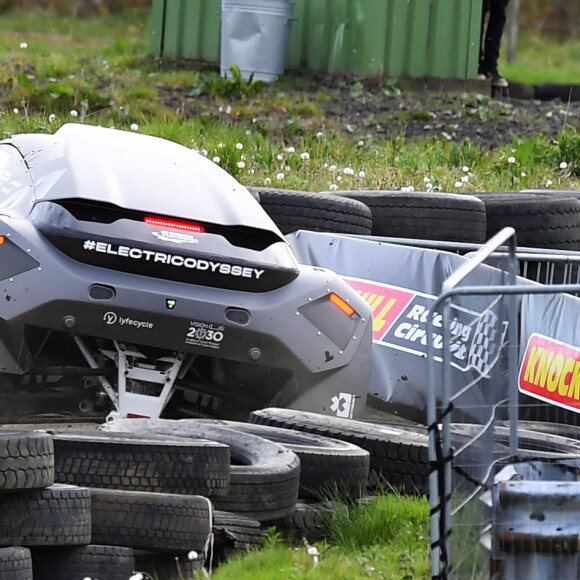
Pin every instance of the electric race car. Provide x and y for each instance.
(138, 278)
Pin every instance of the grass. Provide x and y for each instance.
(544, 58)
(60, 69)
(386, 539)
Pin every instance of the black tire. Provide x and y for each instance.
(168, 566)
(541, 220)
(424, 216)
(264, 476)
(59, 515)
(150, 521)
(102, 562)
(531, 443)
(293, 210)
(15, 563)
(26, 460)
(399, 457)
(142, 463)
(552, 91)
(235, 533)
(551, 428)
(327, 466)
(308, 521)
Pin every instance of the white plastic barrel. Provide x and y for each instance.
(255, 37)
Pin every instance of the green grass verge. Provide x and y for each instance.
(387, 539)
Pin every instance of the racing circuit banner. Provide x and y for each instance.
(401, 284)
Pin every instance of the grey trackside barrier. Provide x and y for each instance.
(540, 265)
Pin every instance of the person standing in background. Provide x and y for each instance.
(493, 19)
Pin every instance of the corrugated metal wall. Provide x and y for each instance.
(415, 38)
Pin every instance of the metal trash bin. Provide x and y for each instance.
(254, 37)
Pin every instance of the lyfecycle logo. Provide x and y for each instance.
(111, 318)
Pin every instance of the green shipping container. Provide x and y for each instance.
(397, 38)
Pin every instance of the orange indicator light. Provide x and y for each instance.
(342, 304)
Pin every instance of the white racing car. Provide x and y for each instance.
(138, 278)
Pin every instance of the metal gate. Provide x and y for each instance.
(489, 517)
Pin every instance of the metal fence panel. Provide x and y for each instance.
(504, 491)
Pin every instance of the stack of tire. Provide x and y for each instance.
(338, 458)
(59, 531)
(276, 476)
(167, 497)
(541, 218)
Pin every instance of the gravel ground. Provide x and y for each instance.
(362, 108)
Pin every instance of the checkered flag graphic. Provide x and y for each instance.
(484, 345)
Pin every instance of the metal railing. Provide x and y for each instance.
(466, 459)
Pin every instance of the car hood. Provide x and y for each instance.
(137, 172)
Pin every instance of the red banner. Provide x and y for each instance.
(551, 371)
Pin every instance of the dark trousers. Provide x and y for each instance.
(491, 42)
